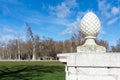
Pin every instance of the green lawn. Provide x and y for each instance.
(32, 70)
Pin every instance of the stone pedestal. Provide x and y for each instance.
(91, 62)
(90, 47)
(92, 66)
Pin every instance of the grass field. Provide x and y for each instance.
(31, 70)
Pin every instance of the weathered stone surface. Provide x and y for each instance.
(91, 49)
(93, 66)
(91, 62)
(90, 25)
(99, 66)
(78, 73)
(98, 59)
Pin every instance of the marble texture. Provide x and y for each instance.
(90, 25)
(91, 61)
(85, 66)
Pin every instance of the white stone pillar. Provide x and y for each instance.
(91, 62)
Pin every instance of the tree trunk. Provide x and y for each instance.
(34, 54)
(18, 42)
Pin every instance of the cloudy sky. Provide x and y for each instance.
(57, 19)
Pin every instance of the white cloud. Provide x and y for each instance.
(9, 30)
(16, 2)
(104, 8)
(102, 32)
(6, 29)
(108, 11)
(6, 38)
(33, 19)
(39, 19)
(60, 11)
(115, 10)
(5, 10)
(112, 21)
(5, 6)
(64, 9)
(73, 27)
(71, 3)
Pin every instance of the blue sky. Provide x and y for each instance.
(57, 19)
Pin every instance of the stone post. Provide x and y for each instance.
(91, 62)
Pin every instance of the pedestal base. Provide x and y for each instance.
(90, 47)
(92, 66)
(92, 73)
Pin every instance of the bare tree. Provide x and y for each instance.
(103, 43)
(18, 46)
(117, 47)
(12, 48)
(31, 38)
(37, 43)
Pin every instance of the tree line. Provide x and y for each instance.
(33, 48)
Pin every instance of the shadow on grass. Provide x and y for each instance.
(36, 72)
